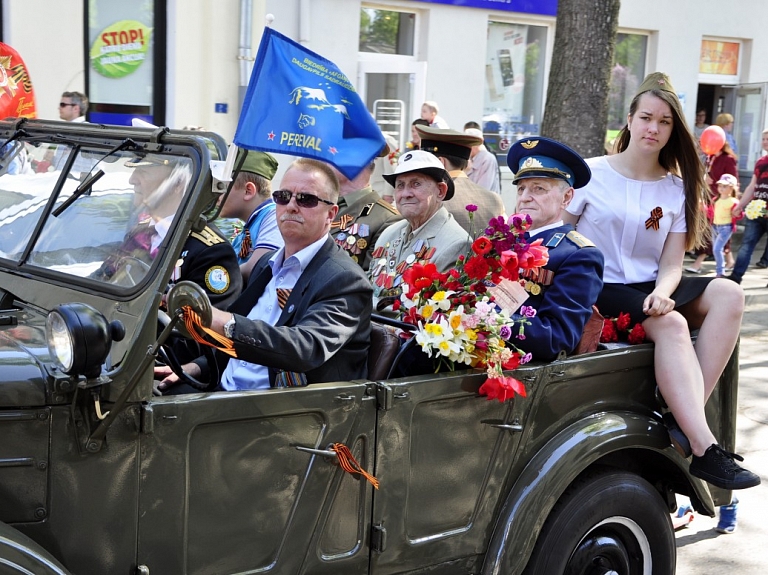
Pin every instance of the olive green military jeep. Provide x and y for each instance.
(100, 476)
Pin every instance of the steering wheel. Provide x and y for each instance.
(188, 294)
(129, 271)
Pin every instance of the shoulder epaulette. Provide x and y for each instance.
(579, 240)
(208, 237)
(387, 205)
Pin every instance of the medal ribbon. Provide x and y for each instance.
(343, 222)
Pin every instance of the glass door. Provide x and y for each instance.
(749, 123)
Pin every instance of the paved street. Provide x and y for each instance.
(701, 550)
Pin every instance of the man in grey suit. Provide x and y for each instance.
(305, 315)
(453, 149)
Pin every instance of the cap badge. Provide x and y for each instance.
(529, 144)
(531, 162)
(407, 157)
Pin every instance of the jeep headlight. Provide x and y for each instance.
(60, 342)
(79, 338)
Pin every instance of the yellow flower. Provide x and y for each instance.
(755, 209)
(439, 296)
(427, 311)
(434, 329)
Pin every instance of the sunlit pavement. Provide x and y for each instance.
(701, 550)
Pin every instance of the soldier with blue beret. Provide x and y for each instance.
(565, 289)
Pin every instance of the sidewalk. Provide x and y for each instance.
(701, 550)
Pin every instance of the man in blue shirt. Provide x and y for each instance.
(250, 200)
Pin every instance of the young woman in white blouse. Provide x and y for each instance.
(641, 208)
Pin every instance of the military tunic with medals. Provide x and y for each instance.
(439, 241)
(562, 292)
(362, 216)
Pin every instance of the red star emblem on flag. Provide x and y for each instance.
(332, 150)
(271, 135)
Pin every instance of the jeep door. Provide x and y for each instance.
(226, 489)
(443, 454)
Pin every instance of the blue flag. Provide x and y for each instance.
(299, 103)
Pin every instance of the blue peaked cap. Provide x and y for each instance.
(541, 157)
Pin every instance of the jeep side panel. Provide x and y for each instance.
(226, 489)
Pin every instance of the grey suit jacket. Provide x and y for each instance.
(324, 329)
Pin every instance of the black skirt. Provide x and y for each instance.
(620, 298)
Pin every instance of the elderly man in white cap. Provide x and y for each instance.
(428, 233)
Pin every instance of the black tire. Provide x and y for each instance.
(608, 522)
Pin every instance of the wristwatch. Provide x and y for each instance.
(229, 327)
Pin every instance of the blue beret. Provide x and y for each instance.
(541, 157)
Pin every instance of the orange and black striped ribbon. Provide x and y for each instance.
(282, 296)
(653, 221)
(343, 222)
(349, 464)
(245, 247)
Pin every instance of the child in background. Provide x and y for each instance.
(723, 221)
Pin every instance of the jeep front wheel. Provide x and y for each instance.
(607, 523)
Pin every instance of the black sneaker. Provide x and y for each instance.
(676, 436)
(718, 467)
(733, 278)
(761, 264)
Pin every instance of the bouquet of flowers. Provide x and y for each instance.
(467, 315)
(613, 327)
(756, 209)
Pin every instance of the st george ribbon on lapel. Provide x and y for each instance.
(299, 103)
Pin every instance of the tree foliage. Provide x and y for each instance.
(576, 111)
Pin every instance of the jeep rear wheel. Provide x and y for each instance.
(607, 523)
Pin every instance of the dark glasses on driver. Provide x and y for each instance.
(283, 198)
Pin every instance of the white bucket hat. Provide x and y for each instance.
(424, 162)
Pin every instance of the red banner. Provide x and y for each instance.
(17, 98)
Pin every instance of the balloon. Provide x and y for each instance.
(712, 140)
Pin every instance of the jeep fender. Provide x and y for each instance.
(553, 469)
(19, 554)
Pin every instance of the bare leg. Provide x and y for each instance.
(717, 313)
(679, 377)
(696, 265)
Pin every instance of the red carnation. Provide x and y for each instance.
(476, 268)
(622, 322)
(637, 335)
(609, 332)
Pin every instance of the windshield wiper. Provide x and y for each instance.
(79, 191)
(92, 178)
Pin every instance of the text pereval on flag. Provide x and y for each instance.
(299, 103)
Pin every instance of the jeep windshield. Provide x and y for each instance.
(59, 214)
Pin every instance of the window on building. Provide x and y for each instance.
(514, 83)
(627, 74)
(386, 31)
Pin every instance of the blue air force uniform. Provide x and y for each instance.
(564, 290)
(562, 293)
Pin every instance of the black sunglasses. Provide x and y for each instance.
(283, 198)
(64, 104)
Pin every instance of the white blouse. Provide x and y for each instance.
(613, 211)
